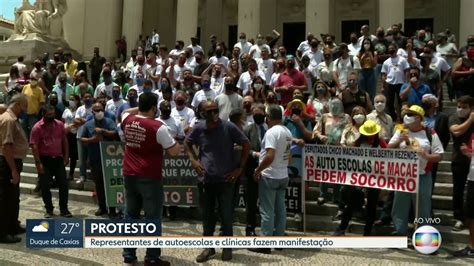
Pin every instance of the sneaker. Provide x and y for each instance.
(321, 201)
(465, 252)
(458, 226)
(81, 180)
(66, 214)
(49, 214)
(226, 254)
(156, 262)
(100, 212)
(338, 216)
(206, 255)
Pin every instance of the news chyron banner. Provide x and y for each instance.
(179, 178)
(389, 169)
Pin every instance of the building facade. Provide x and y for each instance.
(101, 22)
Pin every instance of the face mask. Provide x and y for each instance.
(219, 53)
(182, 61)
(206, 85)
(53, 102)
(149, 61)
(335, 108)
(281, 66)
(177, 47)
(229, 86)
(132, 99)
(164, 85)
(296, 111)
(380, 107)
(257, 86)
(48, 119)
(463, 112)
(115, 94)
(380, 34)
(72, 104)
(107, 80)
(217, 74)
(291, 64)
(247, 107)
(165, 113)
(408, 120)
(198, 60)
(366, 46)
(145, 90)
(99, 115)
(320, 90)
(359, 119)
(180, 102)
(426, 106)
(392, 52)
(140, 81)
(259, 119)
(210, 117)
(242, 40)
(314, 45)
(88, 103)
(33, 83)
(352, 83)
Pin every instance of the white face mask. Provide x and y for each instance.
(99, 115)
(408, 120)
(242, 40)
(463, 112)
(72, 104)
(359, 119)
(380, 107)
(257, 86)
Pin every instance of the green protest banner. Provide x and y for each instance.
(179, 178)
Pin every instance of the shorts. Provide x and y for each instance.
(469, 203)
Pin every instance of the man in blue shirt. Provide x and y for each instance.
(413, 90)
(215, 139)
(98, 129)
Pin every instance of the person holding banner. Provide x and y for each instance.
(368, 138)
(429, 148)
(272, 175)
(145, 142)
(216, 139)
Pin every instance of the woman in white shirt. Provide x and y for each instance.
(71, 131)
(12, 79)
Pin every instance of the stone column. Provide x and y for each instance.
(466, 23)
(186, 19)
(317, 16)
(249, 17)
(132, 22)
(391, 12)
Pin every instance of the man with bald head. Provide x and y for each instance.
(218, 164)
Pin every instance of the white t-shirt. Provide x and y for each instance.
(68, 117)
(449, 48)
(343, 66)
(105, 89)
(178, 72)
(404, 53)
(372, 37)
(155, 38)
(196, 48)
(266, 67)
(227, 103)
(191, 63)
(279, 139)
(273, 80)
(257, 50)
(184, 116)
(244, 47)
(395, 68)
(303, 47)
(112, 106)
(217, 85)
(219, 60)
(314, 57)
(134, 72)
(245, 81)
(175, 53)
(354, 49)
(324, 72)
(470, 176)
(82, 112)
(439, 65)
(163, 136)
(203, 95)
(419, 139)
(176, 129)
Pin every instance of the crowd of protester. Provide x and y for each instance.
(248, 108)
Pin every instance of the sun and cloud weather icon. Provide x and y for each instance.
(41, 228)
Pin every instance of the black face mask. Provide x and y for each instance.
(180, 102)
(259, 119)
(291, 65)
(198, 60)
(296, 111)
(427, 106)
(165, 113)
(380, 35)
(218, 53)
(53, 102)
(229, 86)
(48, 119)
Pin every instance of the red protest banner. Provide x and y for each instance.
(390, 169)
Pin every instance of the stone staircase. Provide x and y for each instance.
(318, 218)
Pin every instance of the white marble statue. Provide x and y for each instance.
(45, 18)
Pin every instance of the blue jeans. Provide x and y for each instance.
(367, 81)
(221, 194)
(403, 200)
(271, 193)
(28, 124)
(378, 70)
(147, 194)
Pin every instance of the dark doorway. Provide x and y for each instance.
(349, 26)
(412, 25)
(232, 36)
(293, 35)
(198, 35)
